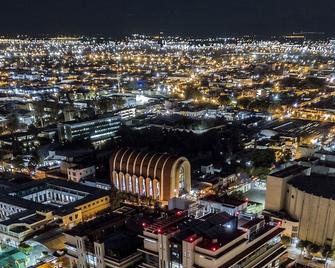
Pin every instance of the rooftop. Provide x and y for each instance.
(288, 171)
(318, 185)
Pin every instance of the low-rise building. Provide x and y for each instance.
(79, 173)
(31, 206)
(157, 175)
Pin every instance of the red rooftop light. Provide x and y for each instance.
(213, 248)
(144, 224)
(178, 213)
(159, 230)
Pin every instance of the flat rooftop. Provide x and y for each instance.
(288, 171)
(299, 128)
(225, 201)
(318, 185)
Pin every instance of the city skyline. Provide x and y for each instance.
(167, 134)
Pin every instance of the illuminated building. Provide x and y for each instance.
(214, 240)
(94, 130)
(29, 207)
(304, 202)
(110, 240)
(80, 173)
(158, 175)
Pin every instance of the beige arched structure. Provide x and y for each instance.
(158, 175)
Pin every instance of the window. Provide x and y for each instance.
(157, 189)
(130, 185)
(123, 183)
(136, 185)
(150, 188)
(117, 182)
(143, 186)
(181, 178)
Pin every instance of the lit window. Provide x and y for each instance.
(130, 185)
(143, 187)
(123, 183)
(117, 182)
(150, 188)
(136, 185)
(157, 189)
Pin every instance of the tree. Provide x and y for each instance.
(18, 162)
(118, 103)
(313, 248)
(54, 110)
(39, 111)
(115, 197)
(104, 105)
(260, 172)
(237, 195)
(192, 93)
(13, 123)
(25, 248)
(263, 158)
(34, 160)
(285, 240)
(224, 100)
(325, 251)
(301, 245)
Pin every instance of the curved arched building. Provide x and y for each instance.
(306, 201)
(158, 175)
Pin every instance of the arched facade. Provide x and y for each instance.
(316, 215)
(158, 175)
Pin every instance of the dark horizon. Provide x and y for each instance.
(184, 18)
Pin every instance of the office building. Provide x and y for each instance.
(110, 240)
(214, 240)
(94, 130)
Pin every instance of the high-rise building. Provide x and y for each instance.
(129, 237)
(214, 240)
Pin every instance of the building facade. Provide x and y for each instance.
(95, 130)
(110, 240)
(79, 173)
(156, 175)
(215, 240)
(29, 207)
(304, 203)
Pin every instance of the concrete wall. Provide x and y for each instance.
(316, 214)
(275, 193)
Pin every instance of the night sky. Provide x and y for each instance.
(179, 17)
